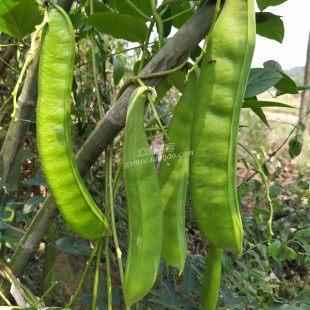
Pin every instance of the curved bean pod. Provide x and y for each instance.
(222, 83)
(54, 130)
(173, 177)
(144, 204)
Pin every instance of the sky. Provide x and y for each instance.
(292, 52)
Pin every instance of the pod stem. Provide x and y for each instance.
(159, 24)
(135, 79)
(28, 60)
(146, 43)
(151, 100)
(111, 199)
(93, 53)
(109, 280)
(97, 271)
(161, 116)
(88, 263)
(265, 179)
(107, 238)
(203, 51)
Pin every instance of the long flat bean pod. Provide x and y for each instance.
(54, 130)
(144, 204)
(222, 83)
(173, 177)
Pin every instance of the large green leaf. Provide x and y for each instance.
(97, 7)
(259, 112)
(286, 84)
(263, 4)
(123, 7)
(262, 104)
(119, 69)
(19, 17)
(179, 8)
(260, 80)
(294, 147)
(120, 26)
(270, 26)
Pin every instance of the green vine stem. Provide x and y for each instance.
(109, 280)
(265, 179)
(156, 117)
(135, 79)
(97, 272)
(111, 198)
(93, 53)
(146, 43)
(177, 15)
(88, 263)
(7, 273)
(156, 128)
(159, 24)
(5, 299)
(107, 238)
(28, 60)
(167, 113)
(138, 10)
(272, 154)
(203, 51)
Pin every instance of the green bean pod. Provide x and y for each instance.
(143, 202)
(173, 177)
(211, 278)
(222, 84)
(54, 130)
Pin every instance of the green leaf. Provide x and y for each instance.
(170, 289)
(190, 279)
(18, 18)
(272, 65)
(179, 7)
(263, 4)
(260, 80)
(120, 26)
(294, 147)
(11, 238)
(292, 253)
(277, 205)
(3, 225)
(71, 245)
(98, 7)
(119, 69)
(167, 24)
(124, 8)
(286, 85)
(274, 191)
(274, 248)
(2, 133)
(263, 104)
(77, 20)
(300, 299)
(35, 181)
(32, 203)
(261, 211)
(270, 26)
(303, 233)
(259, 112)
(177, 79)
